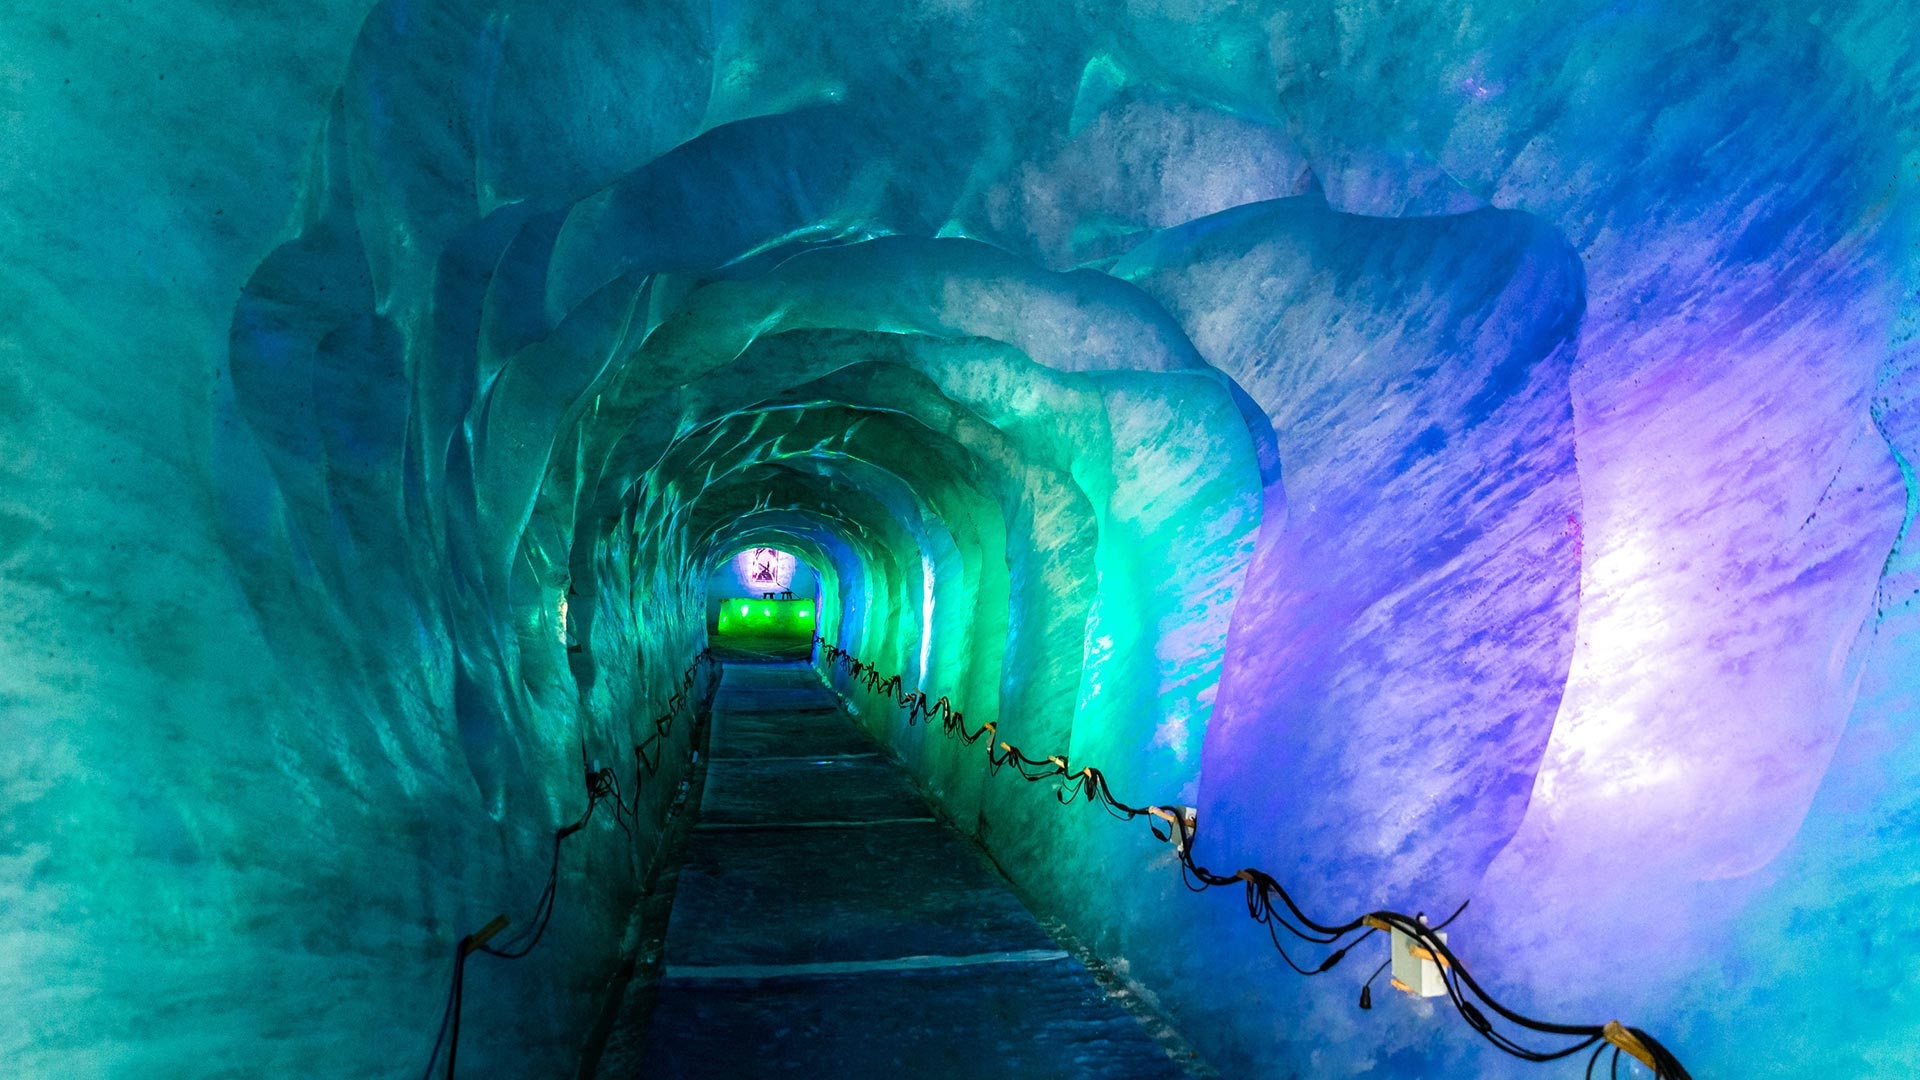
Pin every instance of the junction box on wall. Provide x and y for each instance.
(1416, 969)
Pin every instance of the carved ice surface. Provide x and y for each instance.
(1464, 449)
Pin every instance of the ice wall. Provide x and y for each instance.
(1462, 449)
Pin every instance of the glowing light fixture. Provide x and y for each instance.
(778, 620)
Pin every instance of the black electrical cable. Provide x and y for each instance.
(1366, 988)
(459, 989)
(1467, 996)
(602, 785)
(446, 1014)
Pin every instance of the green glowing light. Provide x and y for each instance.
(771, 622)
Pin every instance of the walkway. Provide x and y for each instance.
(827, 925)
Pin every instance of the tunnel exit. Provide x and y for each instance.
(762, 602)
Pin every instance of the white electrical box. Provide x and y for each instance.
(1416, 970)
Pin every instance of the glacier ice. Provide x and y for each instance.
(1464, 450)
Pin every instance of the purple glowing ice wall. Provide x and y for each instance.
(1462, 448)
(760, 569)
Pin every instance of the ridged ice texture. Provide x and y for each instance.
(1463, 448)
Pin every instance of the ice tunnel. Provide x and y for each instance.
(1427, 453)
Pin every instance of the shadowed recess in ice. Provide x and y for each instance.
(1460, 449)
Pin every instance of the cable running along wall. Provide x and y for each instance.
(603, 785)
(1269, 903)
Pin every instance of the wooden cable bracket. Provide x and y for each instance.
(1621, 1036)
(472, 942)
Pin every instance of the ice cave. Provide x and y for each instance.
(959, 539)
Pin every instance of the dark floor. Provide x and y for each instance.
(826, 925)
(761, 648)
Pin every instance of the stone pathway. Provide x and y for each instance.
(826, 924)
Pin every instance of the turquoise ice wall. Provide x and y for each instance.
(1462, 449)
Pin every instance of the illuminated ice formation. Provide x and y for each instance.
(1463, 449)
